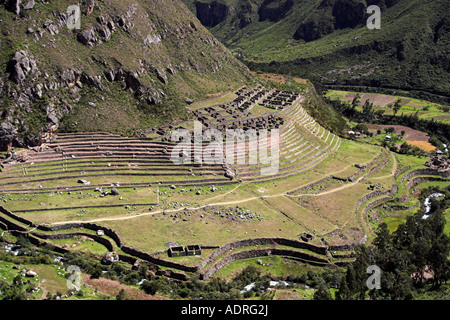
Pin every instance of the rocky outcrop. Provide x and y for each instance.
(13, 6)
(103, 31)
(314, 28)
(348, 14)
(20, 66)
(16, 5)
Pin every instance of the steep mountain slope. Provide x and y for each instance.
(131, 65)
(328, 41)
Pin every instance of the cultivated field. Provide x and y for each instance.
(409, 106)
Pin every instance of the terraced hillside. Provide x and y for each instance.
(128, 196)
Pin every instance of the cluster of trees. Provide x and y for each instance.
(17, 290)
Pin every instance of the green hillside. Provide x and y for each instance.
(328, 41)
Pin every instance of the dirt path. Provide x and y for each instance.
(227, 193)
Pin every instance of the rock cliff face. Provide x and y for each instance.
(131, 65)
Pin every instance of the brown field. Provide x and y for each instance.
(442, 118)
(378, 100)
(112, 288)
(410, 134)
(424, 145)
(285, 295)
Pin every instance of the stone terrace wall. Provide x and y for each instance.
(16, 217)
(425, 171)
(399, 172)
(150, 258)
(98, 239)
(260, 253)
(374, 194)
(262, 241)
(311, 185)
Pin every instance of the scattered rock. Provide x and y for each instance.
(110, 258)
(31, 274)
(84, 182)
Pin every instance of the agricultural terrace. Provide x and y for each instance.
(127, 195)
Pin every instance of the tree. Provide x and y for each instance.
(360, 267)
(440, 246)
(390, 130)
(351, 281)
(143, 269)
(322, 293)
(368, 110)
(383, 239)
(344, 291)
(121, 295)
(397, 106)
(356, 100)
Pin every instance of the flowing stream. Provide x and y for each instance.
(427, 203)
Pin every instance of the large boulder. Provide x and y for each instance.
(20, 66)
(110, 258)
(230, 174)
(88, 37)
